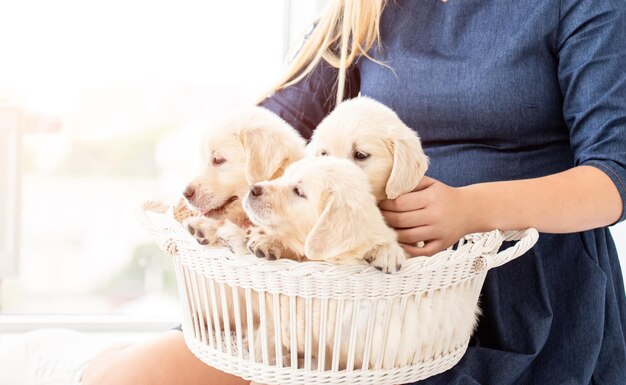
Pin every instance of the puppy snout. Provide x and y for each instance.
(256, 190)
(189, 192)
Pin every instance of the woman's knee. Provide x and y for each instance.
(112, 369)
(163, 360)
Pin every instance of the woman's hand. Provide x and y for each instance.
(433, 213)
(578, 199)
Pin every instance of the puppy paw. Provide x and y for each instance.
(262, 245)
(233, 237)
(387, 258)
(204, 230)
(266, 246)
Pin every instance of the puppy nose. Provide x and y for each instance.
(256, 190)
(189, 192)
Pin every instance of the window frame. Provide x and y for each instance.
(87, 323)
(13, 120)
(11, 128)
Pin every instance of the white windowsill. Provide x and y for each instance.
(86, 323)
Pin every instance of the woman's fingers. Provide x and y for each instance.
(417, 199)
(413, 235)
(405, 220)
(406, 202)
(419, 216)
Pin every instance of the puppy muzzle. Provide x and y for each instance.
(254, 204)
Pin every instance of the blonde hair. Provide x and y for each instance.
(347, 29)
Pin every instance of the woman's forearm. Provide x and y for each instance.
(578, 199)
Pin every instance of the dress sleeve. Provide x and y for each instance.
(591, 45)
(306, 103)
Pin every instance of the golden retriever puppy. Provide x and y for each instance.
(372, 136)
(247, 146)
(323, 208)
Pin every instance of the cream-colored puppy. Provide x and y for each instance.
(247, 146)
(371, 135)
(323, 208)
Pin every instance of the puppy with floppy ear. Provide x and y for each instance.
(371, 135)
(324, 209)
(267, 153)
(338, 235)
(409, 161)
(245, 147)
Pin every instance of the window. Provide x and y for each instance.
(101, 107)
(108, 101)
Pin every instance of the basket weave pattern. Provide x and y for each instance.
(284, 322)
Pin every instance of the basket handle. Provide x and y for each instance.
(526, 240)
(146, 221)
(160, 225)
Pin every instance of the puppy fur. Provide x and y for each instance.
(324, 209)
(371, 135)
(245, 147)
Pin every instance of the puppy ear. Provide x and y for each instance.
(337, 230)
(409, 165)
(266, 154)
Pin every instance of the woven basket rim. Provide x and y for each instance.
(469, 247)
(473, 255)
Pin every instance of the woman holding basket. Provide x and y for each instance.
(521, 107)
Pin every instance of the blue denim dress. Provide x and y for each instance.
(502, 90)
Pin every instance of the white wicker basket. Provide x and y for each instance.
(284, 322)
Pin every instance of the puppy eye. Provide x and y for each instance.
(358, 155)
(298, 192)
(323, 153)
(218, 161)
